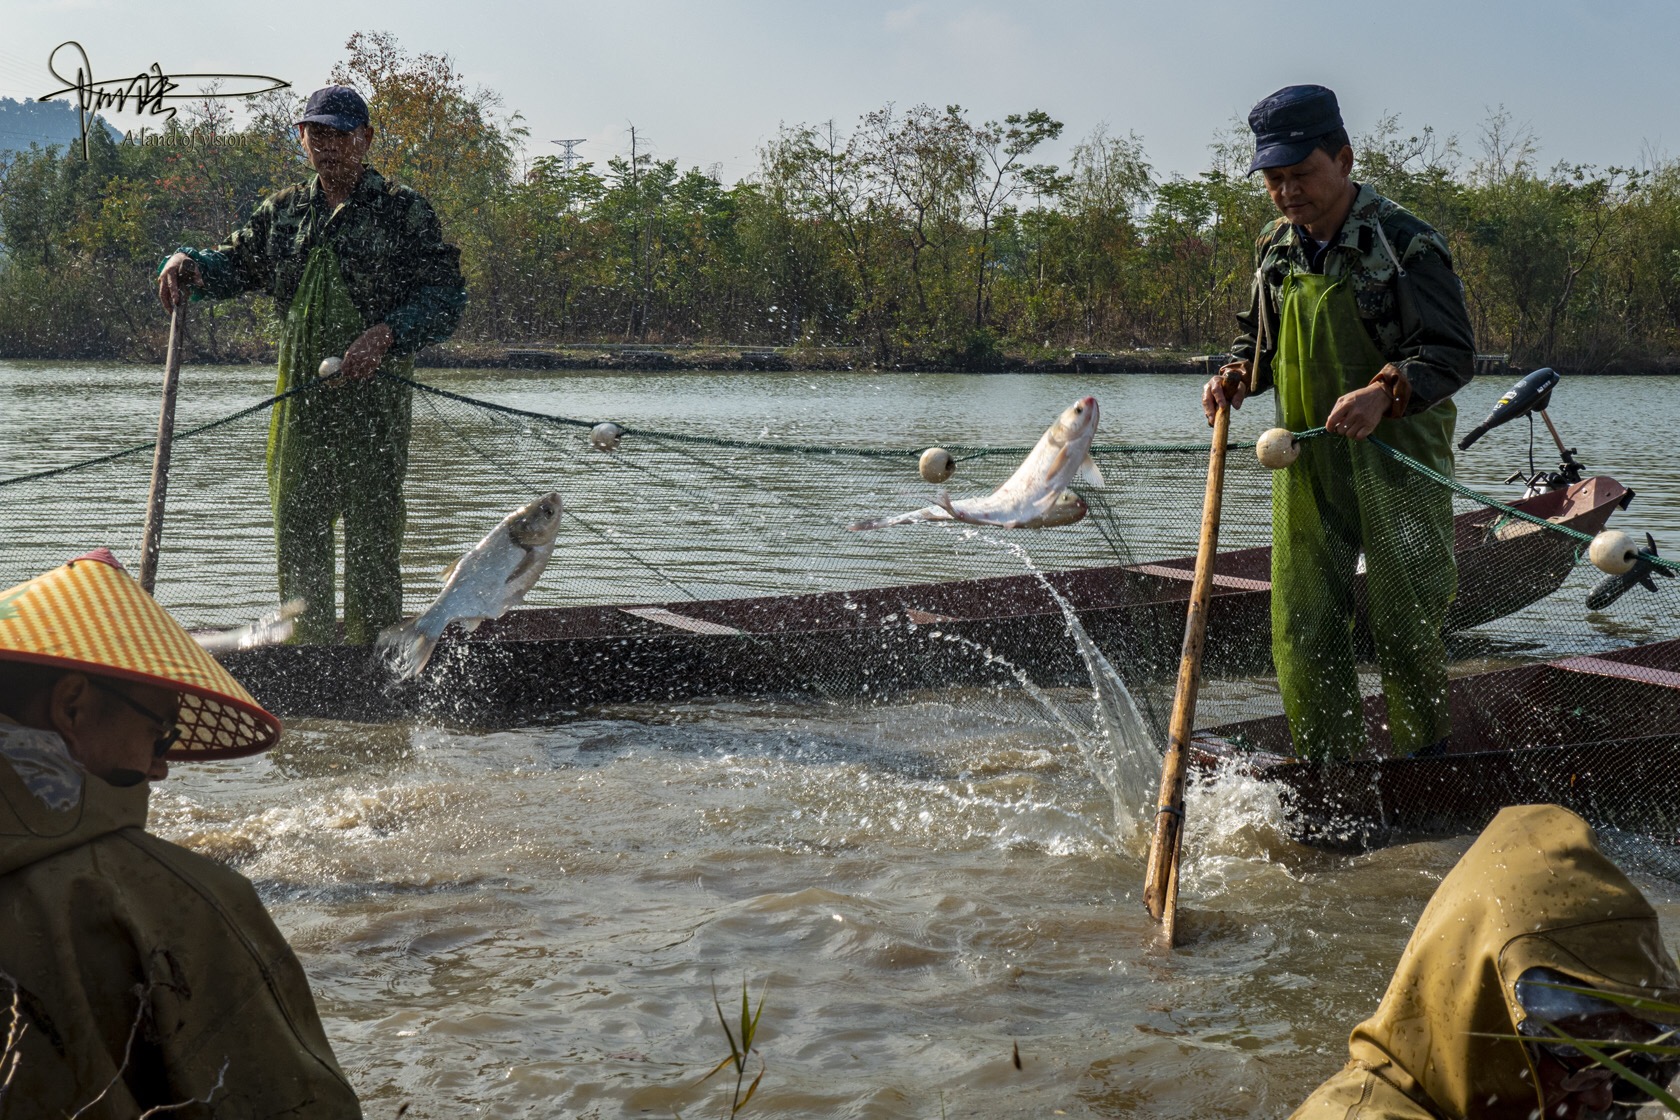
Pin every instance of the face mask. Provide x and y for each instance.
(41, 760)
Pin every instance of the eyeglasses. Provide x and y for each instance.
(161, 745)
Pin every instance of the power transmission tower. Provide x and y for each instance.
(570, 157)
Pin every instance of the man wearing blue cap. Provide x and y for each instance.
(358, 269)
(1358, 323)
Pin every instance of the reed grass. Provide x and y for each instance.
(741, 1039)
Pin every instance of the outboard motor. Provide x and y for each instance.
(1530, 395)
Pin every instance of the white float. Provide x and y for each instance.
(936, 464)
(331, 366)
(1613, 551)
(1277, 448)
(604, 437)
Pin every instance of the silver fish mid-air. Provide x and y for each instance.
(1035, 496)
(481, 585)
(269, 630)
(1069, 509)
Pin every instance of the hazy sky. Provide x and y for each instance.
(707, 82)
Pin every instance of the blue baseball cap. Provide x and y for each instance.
(337, 107)
(1288, 124)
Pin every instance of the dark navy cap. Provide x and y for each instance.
(1287, 125)
(337, 107)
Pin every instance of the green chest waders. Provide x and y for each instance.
(337, 453)
(1340, 498)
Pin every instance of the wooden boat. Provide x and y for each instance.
(548, 662)
(1599, 734)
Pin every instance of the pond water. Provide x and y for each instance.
(532, 921)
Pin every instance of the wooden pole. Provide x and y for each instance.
(160, 456)
(1160, 887)
(1551, 427)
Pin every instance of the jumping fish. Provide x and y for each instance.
(1069, 509)
(269, 630)
(495, 575)
(1033, 497)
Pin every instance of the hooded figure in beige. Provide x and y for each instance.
(1533, 892)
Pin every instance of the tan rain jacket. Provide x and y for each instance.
(1532, 891)
(108, 932)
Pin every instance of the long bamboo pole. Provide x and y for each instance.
(160, 456)
(1160, 888)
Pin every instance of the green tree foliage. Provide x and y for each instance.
(915, 234)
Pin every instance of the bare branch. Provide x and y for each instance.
(221, 1076)
(10, 1056)
(143, 994)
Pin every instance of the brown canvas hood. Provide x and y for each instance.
(1533, 891)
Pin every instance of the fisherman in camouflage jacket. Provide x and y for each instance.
(359, 270)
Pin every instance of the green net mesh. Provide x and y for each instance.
(694, 566)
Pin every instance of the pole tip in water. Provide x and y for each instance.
(1613, 551)
(1277, 448)
(936, 465)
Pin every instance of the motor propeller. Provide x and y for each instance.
(1613, 587)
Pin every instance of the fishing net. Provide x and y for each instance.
(700, 562)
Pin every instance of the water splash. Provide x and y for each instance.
(1123, 755)
(1236, 820)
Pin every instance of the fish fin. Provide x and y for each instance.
(996, 521)
(1090, 472)
(468, 625)
(406, 647)
(1053, 467)
(526, 563)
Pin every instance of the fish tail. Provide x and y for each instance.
(407, 646)
(931, 513)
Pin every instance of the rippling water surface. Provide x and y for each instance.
(531, 922)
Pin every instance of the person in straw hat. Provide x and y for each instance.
(134, 974)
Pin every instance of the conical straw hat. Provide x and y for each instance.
(92, 617)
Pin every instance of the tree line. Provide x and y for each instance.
(919, 235)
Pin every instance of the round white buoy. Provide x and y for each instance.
(331, 366)
(604, 437)
(1277, 448)
(1613, 551)
(936, 464)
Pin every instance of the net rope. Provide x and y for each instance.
(1477, 496)
(703, 522)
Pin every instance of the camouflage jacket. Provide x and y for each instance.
(390, 250)
(1403, 282)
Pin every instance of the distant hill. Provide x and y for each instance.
(23, 123)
